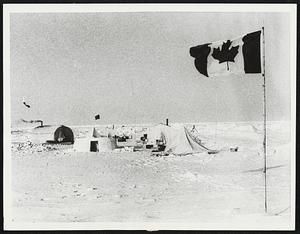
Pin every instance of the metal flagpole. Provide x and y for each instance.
(216, 106)
(265, 121)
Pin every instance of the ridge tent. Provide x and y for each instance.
(63, 134)
(177, 139)
(105, 132)
(92, 144)
(96, 143)
(97, 134)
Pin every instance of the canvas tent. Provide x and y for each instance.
(177, 139)
(63, 134)
(96, 143)
(97, 134)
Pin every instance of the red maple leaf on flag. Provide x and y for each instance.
(225, 54)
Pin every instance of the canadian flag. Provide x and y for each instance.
(237, 56)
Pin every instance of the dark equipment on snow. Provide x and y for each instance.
(34, 121)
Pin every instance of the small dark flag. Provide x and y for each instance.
(25, 104)
(239, 56)
(28, 106)
(97, 117)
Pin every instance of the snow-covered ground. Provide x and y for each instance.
(54, 184)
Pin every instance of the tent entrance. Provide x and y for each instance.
(94, 146)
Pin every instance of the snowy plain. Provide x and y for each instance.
(55, 184)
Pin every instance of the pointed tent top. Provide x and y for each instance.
(96, 134)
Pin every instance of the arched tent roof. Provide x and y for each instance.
(63, 134)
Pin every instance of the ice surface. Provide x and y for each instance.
(57, 185)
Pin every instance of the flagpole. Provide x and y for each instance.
(265, 121)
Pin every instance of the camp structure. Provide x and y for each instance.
(177, 139)
(96, 143)
(63, 134)
(96, 134)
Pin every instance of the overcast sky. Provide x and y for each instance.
(136, 68)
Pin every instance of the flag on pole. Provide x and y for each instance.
(241, 55)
